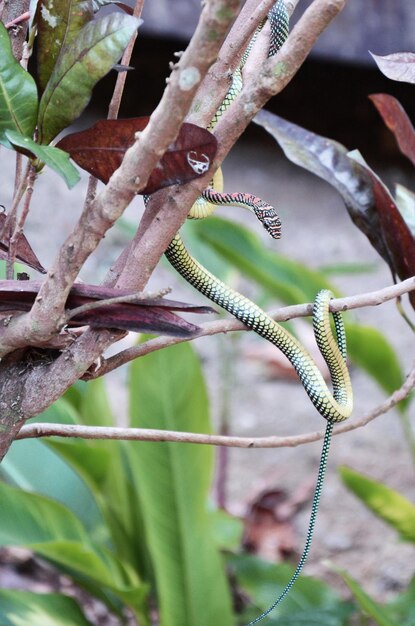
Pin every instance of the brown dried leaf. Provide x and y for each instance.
(100, 150)
(149, 315)
(397, 121)
(24, 251)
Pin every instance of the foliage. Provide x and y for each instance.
(399, 513)
(370, 204)
(132, 523)
(150, 500)
(383, 501)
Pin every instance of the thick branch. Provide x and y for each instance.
(168, 208)
(144, 434)
(42, 322)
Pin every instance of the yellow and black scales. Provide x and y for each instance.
(334, 407)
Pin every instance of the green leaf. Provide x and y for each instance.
(371, 351)
(95, 406)
(402, 607)
(20, 608)
(309, 599)
(103, 467)
(96, 568)
(172, 481)
(228, 530)
(87, 459)
(386, 503)
(288, 280)
(18, 93)
(90, 56)
(32, 518)
(53, 532)
(56, 159)
(58, 23)
(378, 612)
(29, 464)
(353, 267)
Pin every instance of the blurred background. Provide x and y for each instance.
(329, 96)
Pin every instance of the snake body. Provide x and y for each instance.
(334, 407)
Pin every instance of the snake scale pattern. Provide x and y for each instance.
(334, 407)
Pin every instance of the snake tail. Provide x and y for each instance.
(334, 408)
(311, 526)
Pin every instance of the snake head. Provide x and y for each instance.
(272, 225)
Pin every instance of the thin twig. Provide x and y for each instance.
(18, 229)
(8, 225)
(131, 298)
(18, 172)
(144, 434)
(374, 298)
(17, 20)
(115, 103)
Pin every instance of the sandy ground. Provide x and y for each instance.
(317, 231)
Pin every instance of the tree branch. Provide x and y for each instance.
(144, 434)
(374, 298)
(139, 161)
(168, 208)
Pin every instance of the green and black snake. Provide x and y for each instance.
(335, 406)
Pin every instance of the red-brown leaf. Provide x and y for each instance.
(396, 234)
(150, 315)
(100, 150)
(397, 121)
(24, 251)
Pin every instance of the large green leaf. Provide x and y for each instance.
(309, 599)
(18, 93)
(96, 568)
(29, 518)
(369, 349)
(103, 467)
(95, 407)
(30, 464)
(82, 64)
(172, 481)
(377, 612)
(288, 280)
(20, 608)
(58, 23)
(402, 608)
(54, 532)
(56, 159)
(383, 501)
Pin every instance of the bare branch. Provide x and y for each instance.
(374, 298)
(114, 105)
(144, 434)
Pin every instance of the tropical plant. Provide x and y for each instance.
(131, 522)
